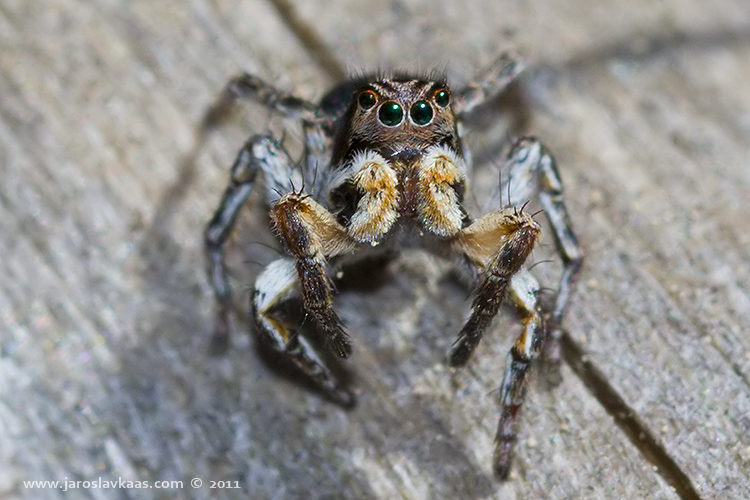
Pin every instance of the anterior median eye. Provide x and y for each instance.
(421, 113)
(442, 97)
(367, 99)
(391, 113)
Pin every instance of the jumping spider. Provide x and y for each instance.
(384, 165)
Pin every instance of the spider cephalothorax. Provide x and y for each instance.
(384, 157)
(398, 156)
(399, 117)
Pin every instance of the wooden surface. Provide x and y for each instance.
(105, 310)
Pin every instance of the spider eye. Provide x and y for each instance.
(367, 99)
(421, 113)
(391, 113)
(442, 97)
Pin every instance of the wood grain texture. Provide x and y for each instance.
(106, 313)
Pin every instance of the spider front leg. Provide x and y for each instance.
(311, 235)
(261, 153)
(500, 243)
(497, 244)
(532, 172)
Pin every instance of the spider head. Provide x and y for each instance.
(399, 118)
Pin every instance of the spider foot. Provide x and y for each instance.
(339, 342)
(503, 457)
(464, 345)
(301, 354)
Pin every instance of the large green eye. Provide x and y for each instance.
(421, 113)
(442, 97)
(391, 114)
(367, 99)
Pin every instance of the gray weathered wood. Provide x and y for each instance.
(106, 311)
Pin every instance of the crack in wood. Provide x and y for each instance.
(627, 420)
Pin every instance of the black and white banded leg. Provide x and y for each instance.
(260, 153)
(532, 173)
(524, 290)
(276, 284)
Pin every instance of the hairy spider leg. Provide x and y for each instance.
(275, 285)
(311, 235)
(316, 157)
(504, 71)
(316, 122)
(532, 172)
(524, 290)
(517, 233)
(247, 86)
(260, 153)
(497, 244)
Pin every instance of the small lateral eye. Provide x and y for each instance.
(421, 113)
(367, 99)
(391, 113)
(442, 97)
